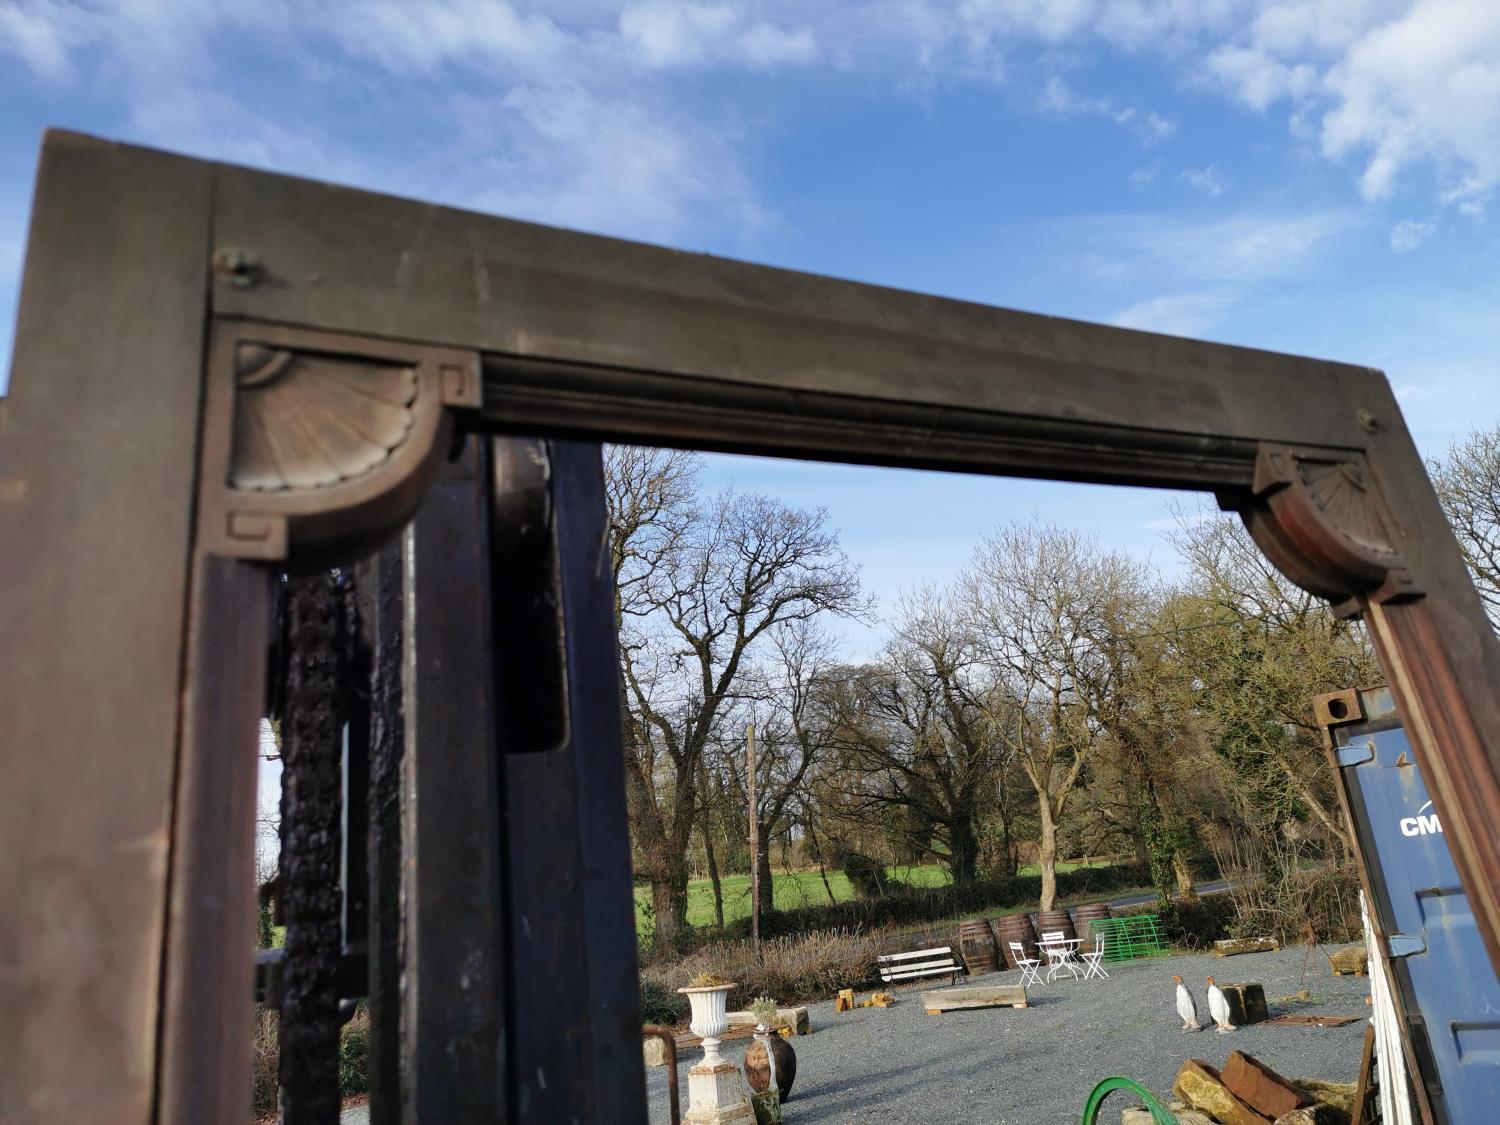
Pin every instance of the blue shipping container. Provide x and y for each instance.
(1442, 973)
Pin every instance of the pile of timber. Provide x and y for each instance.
(1247, 1092)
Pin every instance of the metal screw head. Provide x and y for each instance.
(1367, 420)
(239, 266)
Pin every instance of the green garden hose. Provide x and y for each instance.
(1159, 1113)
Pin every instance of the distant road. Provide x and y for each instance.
(1214, 888)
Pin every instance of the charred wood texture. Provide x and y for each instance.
(311, 792)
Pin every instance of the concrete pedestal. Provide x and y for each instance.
(718, 1095)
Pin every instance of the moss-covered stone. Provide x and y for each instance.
(1200, 1086)
(1340, 1095)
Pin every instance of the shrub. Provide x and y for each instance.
(911, 906)
(790, 968)
(354, 1058)
(660, 1004)
(354, 1054)
(1197, 923)
(867, 876)
(265, 1058)
(1290, 903)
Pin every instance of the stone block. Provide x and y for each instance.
(1340, 1095)
(656, 1052)
(1260, 1087)
(1231, 947)
(794, 1018)
(718, 1095)
(1140, 1115)
(1247, 1003)
(974, 996)
(1317, 1114)
(1354, 961)
(767, 1107)
(1200, 1086)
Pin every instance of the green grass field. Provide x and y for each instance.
(792, 889)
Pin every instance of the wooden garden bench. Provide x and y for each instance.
(939, 961)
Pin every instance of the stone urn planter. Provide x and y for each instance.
(717, 1094)
(710, 1005)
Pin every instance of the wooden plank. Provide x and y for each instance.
(918, 953)
(97, 471)
(575, 1029)
(454, 982)
(351, 260)
(897, 966)
(919, 970)
(985, 996)
(1312, 1021)
(381, 587)
(205, 1033)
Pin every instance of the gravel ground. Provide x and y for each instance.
(1035, 1066)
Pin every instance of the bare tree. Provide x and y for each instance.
(919, 731)
(1258, 648)
(790, 699)
(1468, 484)
(1053, 614)
(698, 587)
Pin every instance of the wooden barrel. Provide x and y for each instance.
(977, 944)
(1050, 921)
(1014, 928)
(1084, 917)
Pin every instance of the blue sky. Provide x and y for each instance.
(1306, 177)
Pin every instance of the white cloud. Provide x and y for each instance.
(1209, 180)
(1058, 98)
(558, 122)
(427, 36)
(565, 155)
(1246, 247)
(1182, 314)
(1390, 85)
(669, 33)
(42, 36)
(1256, 78)
(1408, 234)
(1387, 88)
(1145, 176)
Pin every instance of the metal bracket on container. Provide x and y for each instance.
(1405, 945)
(1355, 755)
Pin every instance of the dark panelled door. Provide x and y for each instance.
(573, 1010)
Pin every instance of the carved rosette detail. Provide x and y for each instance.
(309, 421)
(1319, 516)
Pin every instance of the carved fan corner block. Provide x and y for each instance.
(306, 420)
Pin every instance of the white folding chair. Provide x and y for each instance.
(1029, 965)
(1094, 961)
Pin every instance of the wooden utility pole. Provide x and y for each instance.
(754, 839)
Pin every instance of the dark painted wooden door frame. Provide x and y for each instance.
(182, 322)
